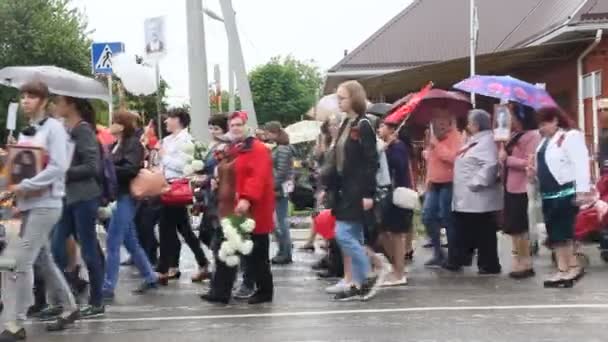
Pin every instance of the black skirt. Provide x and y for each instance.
(515, 220)
(397, 220)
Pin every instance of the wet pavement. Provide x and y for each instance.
(435, 306)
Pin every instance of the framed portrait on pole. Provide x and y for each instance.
(502, 122)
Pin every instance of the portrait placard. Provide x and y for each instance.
(23, 162)
(502, 122)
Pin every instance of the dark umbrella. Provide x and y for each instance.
(453, 102)
(379, 109)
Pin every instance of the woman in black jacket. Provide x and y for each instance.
(128, 155)
(351, 184)
(82, 199)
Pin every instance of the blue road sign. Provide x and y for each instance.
(101, 56)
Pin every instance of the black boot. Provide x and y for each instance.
(8, 336)
(260, 298)
(63, 322)
(211, 298)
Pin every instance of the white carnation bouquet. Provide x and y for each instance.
(196, 152)
(237, 239)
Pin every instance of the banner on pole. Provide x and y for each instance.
(156, 43)
(11, 118)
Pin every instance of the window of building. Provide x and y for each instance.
(587, 89)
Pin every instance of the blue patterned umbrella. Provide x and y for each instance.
(507, 88)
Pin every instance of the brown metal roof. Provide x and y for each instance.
(445, 74)
(546, 16)
(593, 11)
(438, 30)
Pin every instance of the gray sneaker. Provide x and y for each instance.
(90, 311)
(244, 292)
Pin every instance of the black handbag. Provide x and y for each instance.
(383, 200)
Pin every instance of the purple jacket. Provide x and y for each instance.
(518, 160)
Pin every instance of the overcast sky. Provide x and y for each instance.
(308, 29)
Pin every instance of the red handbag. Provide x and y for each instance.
(180, 194)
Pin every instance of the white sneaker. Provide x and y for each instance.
(340, 287)
(393, 283)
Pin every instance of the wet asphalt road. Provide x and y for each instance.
(435, 306)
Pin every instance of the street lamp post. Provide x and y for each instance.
(197, 70)
(474, 29)
(238, 62)
(231, 94)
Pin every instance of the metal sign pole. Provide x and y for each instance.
(231, 93)
(596, 132)
(473, 43)
(158, 102)
(111, 102)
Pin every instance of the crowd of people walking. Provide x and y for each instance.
(363, 166)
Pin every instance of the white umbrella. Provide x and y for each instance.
(60, 81)
(137, 79)
(326, 107)
(303, 131)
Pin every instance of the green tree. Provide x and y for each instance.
(284, 89)
(41, 32)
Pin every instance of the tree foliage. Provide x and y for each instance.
(284, 89)
(41, 32)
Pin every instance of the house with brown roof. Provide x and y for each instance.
(559, 43)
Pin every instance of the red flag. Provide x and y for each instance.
(402, 112)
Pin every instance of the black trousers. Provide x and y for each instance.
(39, 288)
(146, 218)
(335, 260)
(257, 265)
(172, 221)
(475, 231)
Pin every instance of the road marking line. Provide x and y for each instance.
(345, 312)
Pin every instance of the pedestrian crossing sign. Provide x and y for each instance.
(101, 56)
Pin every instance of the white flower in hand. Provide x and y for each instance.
(188, 148)
(199, 145)
(230, 232)
(226, 249)
(222, 255)
(188, 170)
(225, 222)
(246, 247)
(233, 261)
(235, 242)
(248, 225)
(197, 165)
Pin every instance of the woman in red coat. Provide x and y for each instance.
(246, 187)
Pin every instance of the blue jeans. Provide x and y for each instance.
(282, 232)
(349, 236)
(78, 220)
(122, 231)
(437, 213)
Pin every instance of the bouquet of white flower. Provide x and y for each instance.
(237, 239)
(197, 152)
